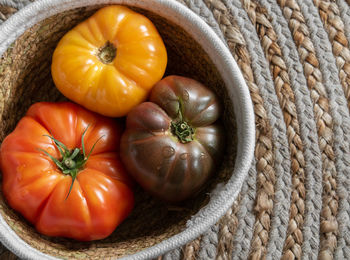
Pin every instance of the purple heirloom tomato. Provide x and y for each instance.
(173, 143)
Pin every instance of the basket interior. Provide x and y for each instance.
(25, 79)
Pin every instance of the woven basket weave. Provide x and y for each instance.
(295, 57)
(25, 79)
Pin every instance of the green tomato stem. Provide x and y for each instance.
(72, 161)
(107, 53)
(69, 163)
(181, 129)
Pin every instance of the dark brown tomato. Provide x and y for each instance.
(173, 143)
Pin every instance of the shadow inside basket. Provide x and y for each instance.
(25, 79)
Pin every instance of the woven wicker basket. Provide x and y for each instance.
(25, 78)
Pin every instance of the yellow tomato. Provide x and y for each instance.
(109, 62)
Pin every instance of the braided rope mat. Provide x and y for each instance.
(295, 57)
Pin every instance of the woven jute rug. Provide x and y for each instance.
(295, 57)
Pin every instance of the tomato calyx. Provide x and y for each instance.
(107, 53)
(181, 129)
(72, 161)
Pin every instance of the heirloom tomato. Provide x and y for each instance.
(109, 62)
(173, 143)
(61, 170)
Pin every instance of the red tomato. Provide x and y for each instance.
(38, 174)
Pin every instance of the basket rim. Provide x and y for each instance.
(223, 196)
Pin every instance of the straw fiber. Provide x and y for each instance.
(25, 78)
(295, 58)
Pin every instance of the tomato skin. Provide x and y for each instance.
(162, 164)
(112, 88)
(101, 197)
